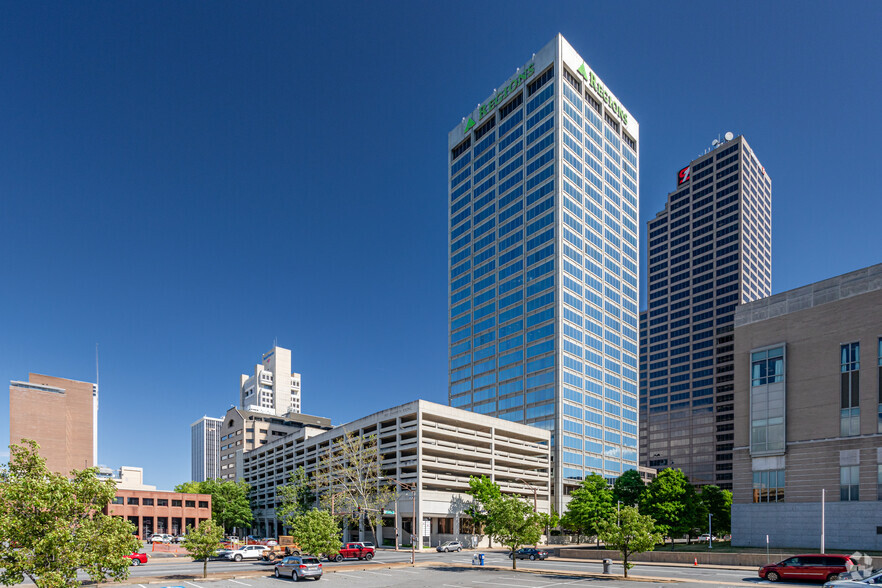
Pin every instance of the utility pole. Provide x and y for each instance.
(710, 533)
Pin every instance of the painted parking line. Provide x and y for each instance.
(377, 573)
(238, 582)
(192, 584)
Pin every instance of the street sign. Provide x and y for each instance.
(388, 512)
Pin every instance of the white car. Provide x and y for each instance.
(160, 538)
(247, 552)
(705, 537)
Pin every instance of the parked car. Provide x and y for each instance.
(160, 538)
(369, 544)
(246, 552)
(137, 558)
(352, 551)
(530, 553)
(449, 546)
(299, 567)
(817, 567)
(854, 580)
(704, 537)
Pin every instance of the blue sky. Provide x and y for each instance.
(184, 182)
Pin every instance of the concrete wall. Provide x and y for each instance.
(849, 525)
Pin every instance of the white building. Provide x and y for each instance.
(204, 449)
(543, 187)
(273, 388)
(434, 447)
(126, 478)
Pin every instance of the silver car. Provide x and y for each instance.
(299, 567)
(857, 581)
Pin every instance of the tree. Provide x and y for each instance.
(628, 488)
(203, 542)
(483, 491)
(632, 533)
(349, 481)
(52, 525)
(670, 500)
(315, 532)
(513, 523)
(230, 507)
(296, 497)
(718, 503)
(591, 502)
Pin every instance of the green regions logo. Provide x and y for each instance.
(604, 94)
(515, 83)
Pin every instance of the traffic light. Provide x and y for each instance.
(359, 510)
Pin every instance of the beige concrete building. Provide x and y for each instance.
(808, 415)
(244, 430)
(59, 414)
(433, 446)
(273, 387)
(126, 478)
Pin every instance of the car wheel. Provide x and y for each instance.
(277, 574)
(338, 558)
(369, 556)
(237, 557)
(532, 557)
(510, 556)
(832, 577)
(772, 577)
(458, 549)
(295, 577)
(136, 561)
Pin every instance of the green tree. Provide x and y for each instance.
(483, 491)
(719, 504)
(230, 507)
(630, 532)
(513, 523)
(349, 481)
(203, 542)
(296, 496)
(590, 503)
(315, 532)
(628, 488)
(51, 525)
(670, 500)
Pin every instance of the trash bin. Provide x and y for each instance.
(607, 564)
(481, 558)
(475, 559)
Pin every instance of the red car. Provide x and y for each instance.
(817, 567)
(353, 551)
(138, 558)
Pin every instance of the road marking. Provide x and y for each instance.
(142, 585)
(237, 582)
(378, 573)
(192, 584)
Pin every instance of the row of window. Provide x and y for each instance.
(135, 501)
(768, 486)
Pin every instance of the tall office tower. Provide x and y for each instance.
(710, 249)
(543, 264)
(205, 449)
(59, 414)
(273, 389)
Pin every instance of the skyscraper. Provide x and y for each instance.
(273, 389)
(710, 249)
(59, 414)
(205, 449)
(543, 180)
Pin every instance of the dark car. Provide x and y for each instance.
(530, 553)
(298, 567)
(811, 567)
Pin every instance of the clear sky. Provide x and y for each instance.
(183, 183)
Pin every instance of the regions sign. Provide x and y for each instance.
(604, 94)
(504, 93)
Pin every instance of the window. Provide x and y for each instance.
(879, 482)
(132, 500)
(768, 486)
(767, 394)
(849, 483)
(176, 502)
(849, 389)
(190, 503)
(147, 502)
(117, 500)
(203, 504)
(162, 502)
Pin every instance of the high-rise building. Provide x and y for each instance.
(710, 249)
(273, 388)
(59, 414)
(205, 449)
(543, 179)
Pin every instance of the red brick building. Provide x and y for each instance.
(155, 511)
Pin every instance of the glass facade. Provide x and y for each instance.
(543, 268)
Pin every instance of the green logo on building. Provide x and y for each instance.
(469, 124)
(487, 108)
(604, 94)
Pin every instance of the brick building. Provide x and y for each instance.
(155, 511)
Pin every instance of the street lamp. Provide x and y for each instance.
(412, 488)
(710, 533)
(533, 488)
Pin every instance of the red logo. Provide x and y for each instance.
(683, 175)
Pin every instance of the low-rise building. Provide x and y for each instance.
(154, 511)
(126, 478)
(433, 447)
(808, 416)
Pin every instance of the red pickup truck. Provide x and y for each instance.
(353, 551)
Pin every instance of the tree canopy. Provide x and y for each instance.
(671, 501)
(296, 497)
(230, 507)
(51, 526)
(630, 532)
(628, 488)
(315, 532)
(510, 520)
(590, 503)
(719, 504)
(203, 542)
